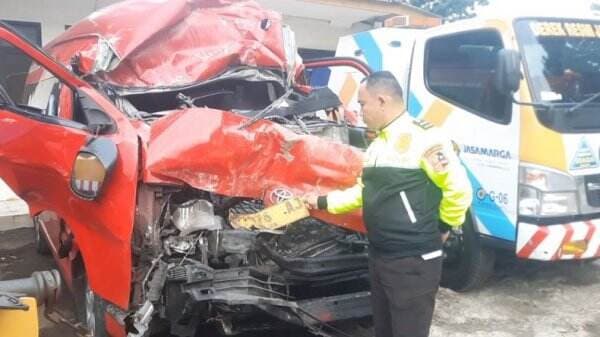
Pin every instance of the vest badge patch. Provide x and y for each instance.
(436, 158)
(403, 143)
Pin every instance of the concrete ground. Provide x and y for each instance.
(521, 300)
(525, 299)
(18, 259)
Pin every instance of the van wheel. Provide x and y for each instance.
(41, 245)
(468, 263)
(90, 309)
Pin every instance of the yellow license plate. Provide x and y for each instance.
(274, 217)
(574, 247)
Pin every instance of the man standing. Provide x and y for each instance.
(413, 190)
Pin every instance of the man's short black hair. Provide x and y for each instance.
(384, 81)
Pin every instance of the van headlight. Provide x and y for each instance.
(544, 192)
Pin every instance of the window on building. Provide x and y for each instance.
(32, 31)
(460, 68)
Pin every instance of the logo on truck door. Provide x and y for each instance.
(488, 152)
(584, 157)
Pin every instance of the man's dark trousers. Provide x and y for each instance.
(403, 294)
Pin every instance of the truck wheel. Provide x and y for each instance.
(90, 309)
(41, 245)
(468, 263)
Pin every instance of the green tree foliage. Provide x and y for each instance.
(449, 9)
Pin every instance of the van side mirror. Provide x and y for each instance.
(92, 167)
(508, 71)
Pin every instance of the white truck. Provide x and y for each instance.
(521, 98)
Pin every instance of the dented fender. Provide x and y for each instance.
(211, 150)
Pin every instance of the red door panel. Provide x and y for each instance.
(37, 153)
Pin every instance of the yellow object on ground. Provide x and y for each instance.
(274, 217)
(20, 323)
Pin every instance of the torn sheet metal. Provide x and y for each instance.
(172, 43)
(207, 149)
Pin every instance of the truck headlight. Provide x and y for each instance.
(544, 192)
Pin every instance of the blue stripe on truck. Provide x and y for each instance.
(490, 214)
(414, 106)
(370, 50)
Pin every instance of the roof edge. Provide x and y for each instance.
(381, 4)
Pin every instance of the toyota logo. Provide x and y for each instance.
(280, 194)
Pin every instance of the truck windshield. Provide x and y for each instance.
(562, 60)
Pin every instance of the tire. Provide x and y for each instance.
(468, 263)
(90, 309)
(41, 244)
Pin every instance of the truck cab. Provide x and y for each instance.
(518, 96)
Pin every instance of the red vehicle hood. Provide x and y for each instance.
(172, 43)
(209, 150)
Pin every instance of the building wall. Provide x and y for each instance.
(307, 17)
(52, 14)
(318, 24)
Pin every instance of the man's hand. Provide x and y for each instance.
(310, 200)
(445, 236)
(444, 230)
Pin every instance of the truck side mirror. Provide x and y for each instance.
(508, 71)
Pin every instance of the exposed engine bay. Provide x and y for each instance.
(192, 267)
(198, 268)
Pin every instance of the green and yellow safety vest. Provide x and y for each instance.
(411, 179)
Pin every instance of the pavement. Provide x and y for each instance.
(522, 299)
(18, 259)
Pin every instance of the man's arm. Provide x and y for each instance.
(442, 165)
(342, 201)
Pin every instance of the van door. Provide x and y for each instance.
(452, 86)
(79, 165)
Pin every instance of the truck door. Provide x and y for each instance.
(452, 86)
(69, 153)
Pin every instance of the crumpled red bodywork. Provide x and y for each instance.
(211, 150)
(174, 43)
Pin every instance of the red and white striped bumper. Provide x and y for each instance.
(577, 240)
